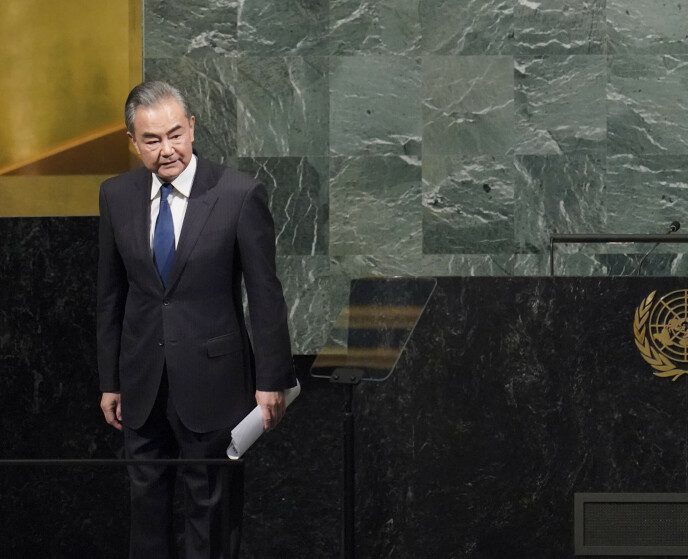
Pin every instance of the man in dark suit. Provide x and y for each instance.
(177, 369)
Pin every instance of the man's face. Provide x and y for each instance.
(163, 136)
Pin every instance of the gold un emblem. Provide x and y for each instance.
(660, 328)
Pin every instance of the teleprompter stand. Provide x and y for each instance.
(364, 345)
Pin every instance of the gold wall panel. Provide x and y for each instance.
(36, 196)
(67, 68)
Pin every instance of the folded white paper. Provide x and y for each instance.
(251, 427)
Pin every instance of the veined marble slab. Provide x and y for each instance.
(283, 106)
(468, 205)
(375, 105)
(524, 264)
(560, 27)
(647, 103)
(314, 296)
(647, 26)
(174, 28)
(638, 264)
(374, 27)
(598, 262)
(468, 105)
(467, 27)
(558, 194)
(560, 104)
(275, 27)
(375, 205)
(426, 265)
(645, 193)
(298, 191)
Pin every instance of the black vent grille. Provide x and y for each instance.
(631, 523)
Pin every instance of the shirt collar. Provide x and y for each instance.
(182, 183)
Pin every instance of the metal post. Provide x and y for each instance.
(349, 504)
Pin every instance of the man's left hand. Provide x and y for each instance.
(272, 407)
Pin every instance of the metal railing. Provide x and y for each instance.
(223, 462)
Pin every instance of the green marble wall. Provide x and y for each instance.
(439, 137)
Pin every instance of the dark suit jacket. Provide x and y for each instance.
(196, 325)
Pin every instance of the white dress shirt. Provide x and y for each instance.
(178, 199)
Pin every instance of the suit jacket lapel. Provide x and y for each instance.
(142, 185)
(201, 202)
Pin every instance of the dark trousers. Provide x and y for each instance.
(212, 519)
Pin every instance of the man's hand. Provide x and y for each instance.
(111, 404)
(272, 408)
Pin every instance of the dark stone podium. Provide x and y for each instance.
(513, 395)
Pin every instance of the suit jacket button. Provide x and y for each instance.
(161, 343)
(166, 302)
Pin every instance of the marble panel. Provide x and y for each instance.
(173, 28)
(647, 26)
(269, 28)
(440, 265)
(530, 264)
(679, 265)
(47, 340)
(640, 260)
(346, 268)
(560, 104)
(468, 105)
(208, 82)
(468, 205)
(374, 27)
(375, 105)
(315, 294)
(647, 104)
(375, 206)
(426, 265)
(357, 266)
(647, 263)
(283, 106)
(558, 194)
(582, 262)
(645, 193)
(298, 191)
(49, 395)
(560, 27)
(467, 27)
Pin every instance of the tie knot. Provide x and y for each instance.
(166, 188)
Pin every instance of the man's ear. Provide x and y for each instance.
(133, 141)
(192, 124)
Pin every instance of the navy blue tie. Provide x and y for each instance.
(163, 238)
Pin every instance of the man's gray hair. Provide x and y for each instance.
(150, 93)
